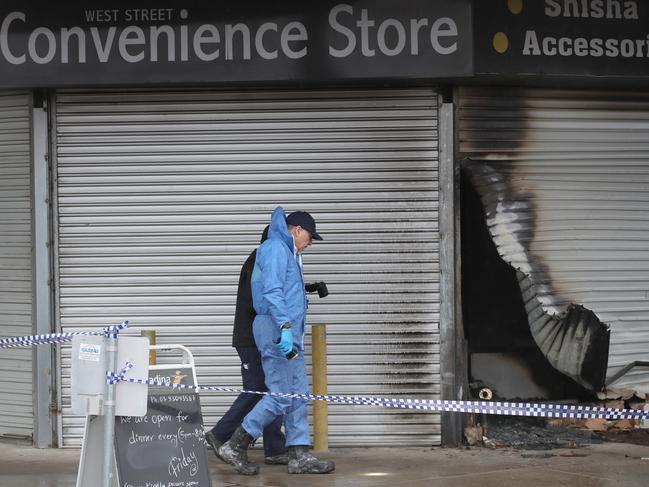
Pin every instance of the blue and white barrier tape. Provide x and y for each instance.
(482, 407)
(25, 341)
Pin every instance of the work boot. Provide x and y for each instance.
(235, 452)
(281, 459)
(214, 443)
(301, 461)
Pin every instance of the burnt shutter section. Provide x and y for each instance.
(161, 195)
(564, 176)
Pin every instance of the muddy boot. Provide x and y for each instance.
(214, 443)
(301, 461)
(235, 452)
(280, 459)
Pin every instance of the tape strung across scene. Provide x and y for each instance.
(50, 338)
(436, 405)
(482, 407)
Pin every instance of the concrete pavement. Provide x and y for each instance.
(601, 465)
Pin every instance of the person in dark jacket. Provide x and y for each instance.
(252, 375)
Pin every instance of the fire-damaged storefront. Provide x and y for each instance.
(555, 244)
(479, 170)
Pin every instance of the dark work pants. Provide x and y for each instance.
(252, 375)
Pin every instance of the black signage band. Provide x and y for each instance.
(252, 41)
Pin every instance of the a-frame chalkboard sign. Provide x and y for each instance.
(165, 448)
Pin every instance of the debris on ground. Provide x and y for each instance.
(474, 434)
(533, 434)
(616, 399)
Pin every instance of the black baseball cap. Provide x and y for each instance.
(304, 220)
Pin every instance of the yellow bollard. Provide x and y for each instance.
(150, 334)
(319, 375)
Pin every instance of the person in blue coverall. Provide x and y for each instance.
(280, 302)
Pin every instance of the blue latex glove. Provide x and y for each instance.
(286, 341)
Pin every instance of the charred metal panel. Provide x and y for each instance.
(575, 342)
(571, 337)
(564, 178)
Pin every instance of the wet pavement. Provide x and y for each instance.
(599, 464)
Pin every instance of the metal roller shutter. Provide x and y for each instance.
(573, 167)
(16, 402)
(162, 195)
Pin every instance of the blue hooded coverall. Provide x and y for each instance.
(278, 297)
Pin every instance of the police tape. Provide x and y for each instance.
(110, 331)
(546, 410)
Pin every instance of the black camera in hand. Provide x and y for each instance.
(319, 286)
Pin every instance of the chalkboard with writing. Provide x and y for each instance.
(165, 448)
